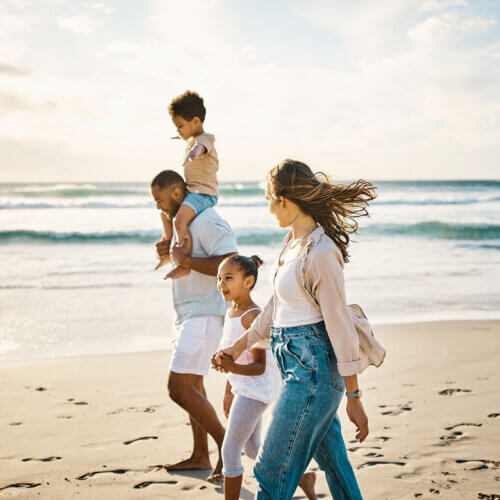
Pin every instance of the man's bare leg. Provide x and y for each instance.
(200, 456)
(189, 393)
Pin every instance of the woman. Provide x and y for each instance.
(312, 333)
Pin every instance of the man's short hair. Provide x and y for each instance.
(168, 178)
(188, 105)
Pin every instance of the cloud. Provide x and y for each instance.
(8, 69)
(101, 7)
(80, 25)
(430, 5)
(449, 25)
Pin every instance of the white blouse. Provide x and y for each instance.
(293, 307)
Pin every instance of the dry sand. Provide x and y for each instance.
(101, 427)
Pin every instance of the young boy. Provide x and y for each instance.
(200, 166)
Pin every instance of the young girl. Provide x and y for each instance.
(253, 382)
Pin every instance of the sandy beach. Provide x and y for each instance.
(102, 427)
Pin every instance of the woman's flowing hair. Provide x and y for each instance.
(333, 206)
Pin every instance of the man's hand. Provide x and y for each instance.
(228, 401)
(162, 248)
(358, 417)
(179, 254)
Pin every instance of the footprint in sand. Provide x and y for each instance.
(15, 423)
(460, 425)
(479, 464)
(382, 438)
(47, 459)
(20, 485)
(494, 415)
(65, 416)
(79, 403)
(144, 409)
(83, 477)
(450, 392)
(145, 484)
(356, 448)
(450, 438)
(488, 496)
(397, 409)
(372, 463)
(41, 389)
(139, 439)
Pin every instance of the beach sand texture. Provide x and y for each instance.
(101, 427)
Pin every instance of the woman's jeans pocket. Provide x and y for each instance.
(298, 351)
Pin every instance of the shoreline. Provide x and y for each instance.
(375, 325)
(102, 426)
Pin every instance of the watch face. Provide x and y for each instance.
(359, 393)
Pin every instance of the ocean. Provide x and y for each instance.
(77, 260)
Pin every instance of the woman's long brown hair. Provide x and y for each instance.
(333, 206)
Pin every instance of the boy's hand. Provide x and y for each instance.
(195, 154)
(228, 401)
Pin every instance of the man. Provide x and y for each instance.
(199, 315)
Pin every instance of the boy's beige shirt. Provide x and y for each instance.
(201, 174)
(320, 273)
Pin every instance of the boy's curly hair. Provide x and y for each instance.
(188, 105)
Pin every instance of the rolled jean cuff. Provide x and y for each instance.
(347, 368)
(233, 473)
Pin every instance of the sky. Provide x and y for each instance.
(399, 89)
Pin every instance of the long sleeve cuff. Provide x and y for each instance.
(348, 368)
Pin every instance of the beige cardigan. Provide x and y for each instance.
(320, 271)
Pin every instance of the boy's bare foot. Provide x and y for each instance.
(178, 272)
(217, 473)
(190, 463)
(307, 484)
(163, 262)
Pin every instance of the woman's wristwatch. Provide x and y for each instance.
(356, 394)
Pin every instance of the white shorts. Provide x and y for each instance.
(194, 342)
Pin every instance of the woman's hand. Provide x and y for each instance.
(228, 401)
(358, 417)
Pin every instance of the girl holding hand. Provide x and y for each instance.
(253, 382)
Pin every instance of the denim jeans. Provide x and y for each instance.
(304, 422)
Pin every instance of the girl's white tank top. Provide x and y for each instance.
(263, 387)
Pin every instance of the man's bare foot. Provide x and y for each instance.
(178, 272)
(307, 484)
(190, 463)
(217, 473)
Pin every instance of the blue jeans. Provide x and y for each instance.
(200, 202)
(304, 422)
